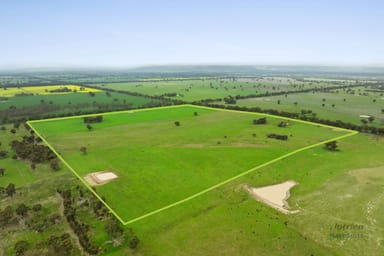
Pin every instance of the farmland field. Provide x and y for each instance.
(44, 90)
(159, 163)
(200, 89)
(38, 103)
(327, 105)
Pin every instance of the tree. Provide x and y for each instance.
(89, 127)
(177, 123)
(22, 210)
(10, 189)
(2, 170)
(371, 119)
(54, 165)
(331, 146)
(6, 216)
(83, 150)
(113, 228)
(13, 130)
(21, 247)
(36, 207)
(262, 120)
(195, 114)
(3, 154)
(134, 242)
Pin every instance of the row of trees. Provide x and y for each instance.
(80, 229)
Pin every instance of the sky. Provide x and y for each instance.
(113, 33)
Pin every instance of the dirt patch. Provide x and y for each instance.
(100, 178)
(274, 196)
(337, 130)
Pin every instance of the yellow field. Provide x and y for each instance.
(44, 90)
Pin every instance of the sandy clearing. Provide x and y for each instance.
(99, 178)
(274, 195)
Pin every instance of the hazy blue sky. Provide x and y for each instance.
(130, 33)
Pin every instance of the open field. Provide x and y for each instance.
(232, 222)
(194, 90)
(339, 193)
(44, 90)
(337, 105)
(72, 103)
(159, 163)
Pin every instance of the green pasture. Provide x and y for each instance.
(194, 90)
(335, 107)
(159, 163)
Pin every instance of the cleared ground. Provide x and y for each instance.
(159, 163)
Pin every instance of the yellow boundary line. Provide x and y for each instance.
(351, 133)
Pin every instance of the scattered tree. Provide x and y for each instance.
(177, 123)
(54, 164)
(89, 127)
(134, 242)
(22, 210)
(10, 189)
(113, 228)
(3, 154)
(262, 120)
(332, 145)
(83, 150)
(21, 247)
(37, 207)
(2, 171)
(283, 124)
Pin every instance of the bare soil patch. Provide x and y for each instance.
(100, 178)
(274, 196)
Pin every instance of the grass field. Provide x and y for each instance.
(194, 90)
(71, 100)
(159, 163)
(44, 90)
(343, 187)
(348, 110)
(68, 104)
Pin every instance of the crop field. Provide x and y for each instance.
(44, 90)
(169, 155)
(48, 105)
(71, 100)
(327, 105)
(194, 90)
